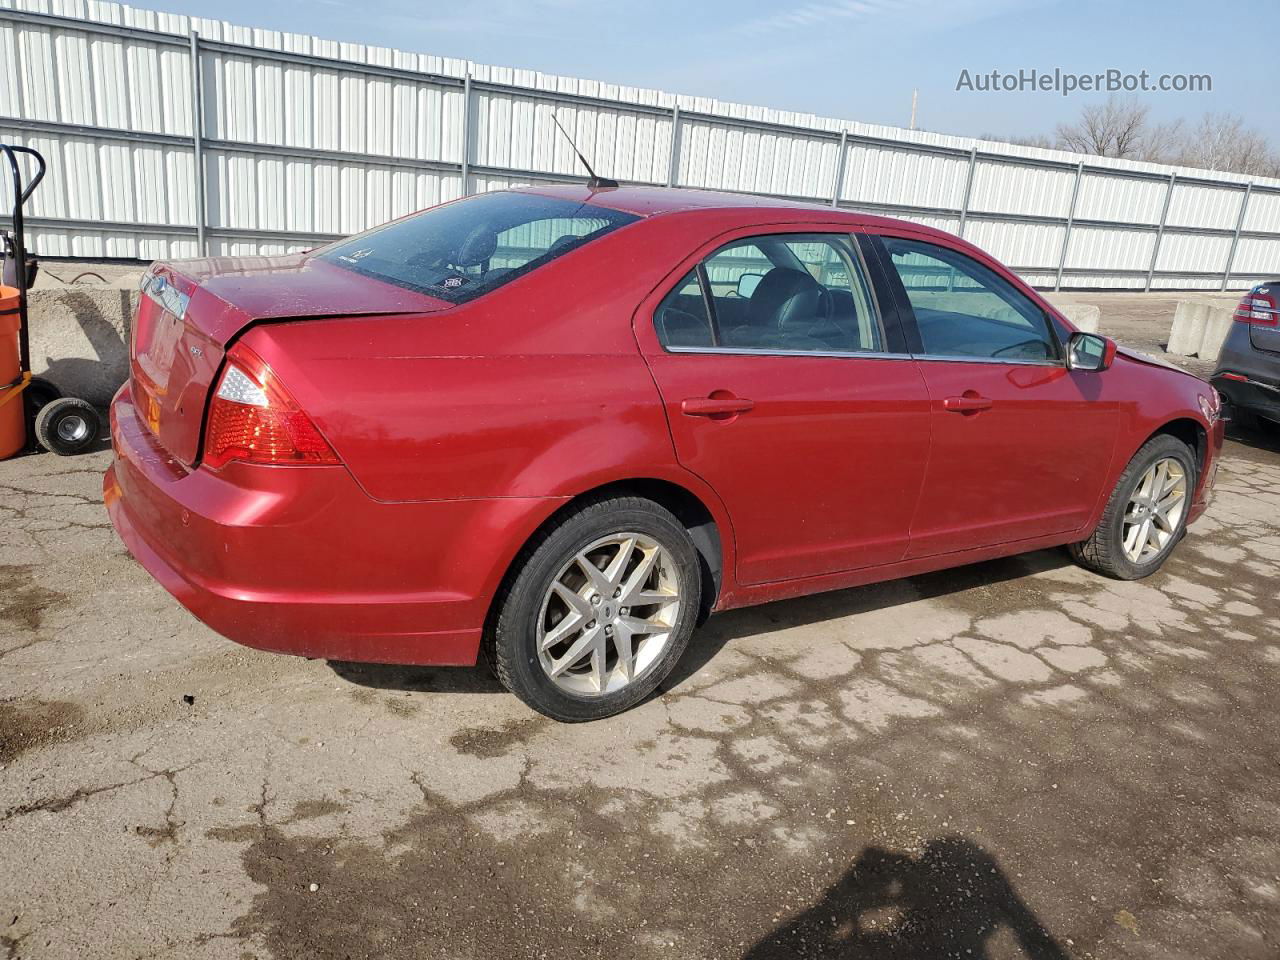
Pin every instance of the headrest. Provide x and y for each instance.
(783, 296)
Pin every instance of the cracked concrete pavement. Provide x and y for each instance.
(1017, 758)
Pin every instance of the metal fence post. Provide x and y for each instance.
(1164, 216)
(1071, 219)
(197, 144)
(1235, 239)
(674, 162)
(840, 164)
(465, 166)
(968, 190)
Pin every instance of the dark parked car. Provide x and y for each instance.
(1248, 373)
(560, 425)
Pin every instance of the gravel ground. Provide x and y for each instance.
(1016, 758)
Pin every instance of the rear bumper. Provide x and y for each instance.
(1250, 394)
(300, 560)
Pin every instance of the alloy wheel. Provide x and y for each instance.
(1151, 519)
(608, 615)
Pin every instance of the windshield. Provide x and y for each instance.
(462, 250)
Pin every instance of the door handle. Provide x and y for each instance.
(970, 402)
(715, 406)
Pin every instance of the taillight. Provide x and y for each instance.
(1259, 308)
(254, 418)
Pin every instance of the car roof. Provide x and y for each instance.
(652, 201)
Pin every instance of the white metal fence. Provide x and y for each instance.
(297, 140)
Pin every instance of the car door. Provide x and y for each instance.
(785, 391)
(1021, 445)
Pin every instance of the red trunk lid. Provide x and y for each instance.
(176, 358)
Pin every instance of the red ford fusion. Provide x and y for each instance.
(558, 427)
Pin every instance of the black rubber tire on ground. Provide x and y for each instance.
(1103, 552)
(38, 394)
(510, 637)
(67, 426)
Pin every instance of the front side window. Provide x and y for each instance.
(964, 309)
(464, 249)
(780, 293)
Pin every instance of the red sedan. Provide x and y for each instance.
(560, 426)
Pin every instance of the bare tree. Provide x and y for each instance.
(1035, 140)
(1221, 141)
(1112, 129)
(1162, 142)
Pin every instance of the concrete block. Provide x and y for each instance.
(1217, 325)
(80, 336)
(1083, 316)
(1189, 321)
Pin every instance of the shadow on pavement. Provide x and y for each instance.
(385, 676)
(817, 608)
(708, 641)
(952, 900)
(1264, 438)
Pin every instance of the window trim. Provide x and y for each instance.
(859, 260)
(907, 308)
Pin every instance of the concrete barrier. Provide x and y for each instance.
(1217, 325)
(1083, 316)
(80, 336)
(1189, 321)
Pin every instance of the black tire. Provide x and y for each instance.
(39, 394)
(1103, 552)
(67, 426)
(511, 635)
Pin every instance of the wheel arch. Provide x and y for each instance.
(1191, 432)
(707, 526)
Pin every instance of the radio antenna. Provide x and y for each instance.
(595, 183)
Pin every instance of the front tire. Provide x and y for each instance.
(1146, 514)
(598, 609)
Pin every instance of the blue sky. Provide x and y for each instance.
(855, 59)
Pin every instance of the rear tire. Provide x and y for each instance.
(67, 426)
(548, 594)
(1114, 548)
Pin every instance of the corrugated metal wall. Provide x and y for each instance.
(297, 139)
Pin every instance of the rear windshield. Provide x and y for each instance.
(462, 250)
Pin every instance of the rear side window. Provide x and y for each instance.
(464, 249)
(964, 309)
(782, 293)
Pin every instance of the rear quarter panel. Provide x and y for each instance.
(535, 390)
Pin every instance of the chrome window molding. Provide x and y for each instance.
(863, 354)
(765, 352)
(944, 358)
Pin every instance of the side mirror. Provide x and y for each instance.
(747, 284)
(1089, 351)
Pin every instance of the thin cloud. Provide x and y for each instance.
(811, 14)
(835, 12)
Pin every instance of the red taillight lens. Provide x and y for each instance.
(254, 418)
(1258, 308)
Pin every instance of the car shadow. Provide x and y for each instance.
(816, 608)
(1264, 438)
(952, 900)
(386, 676)
(724, 628)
